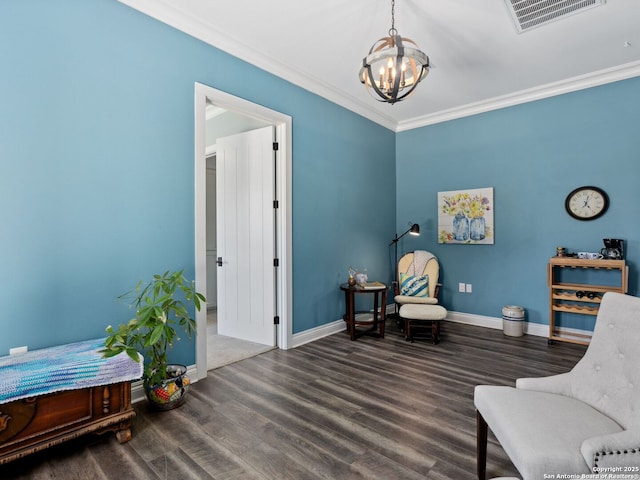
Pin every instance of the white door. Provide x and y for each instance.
(245, 196)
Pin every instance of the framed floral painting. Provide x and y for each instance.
(466, 216)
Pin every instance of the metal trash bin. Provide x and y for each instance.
(513, 320)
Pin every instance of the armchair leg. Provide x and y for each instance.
(481, 438)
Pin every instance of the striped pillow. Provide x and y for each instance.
(414, 286)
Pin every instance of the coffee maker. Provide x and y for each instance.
(613, 248)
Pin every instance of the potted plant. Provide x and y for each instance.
(161, 305)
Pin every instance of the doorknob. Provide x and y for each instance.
(219, 262)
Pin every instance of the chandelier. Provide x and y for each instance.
(394, 66)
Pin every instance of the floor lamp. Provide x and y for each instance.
(413, 230)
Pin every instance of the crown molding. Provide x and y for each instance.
(601, 77)
(185, 22)
(195, 27)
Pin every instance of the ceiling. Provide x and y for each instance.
(479, 60)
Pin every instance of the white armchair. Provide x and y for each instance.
(585, 421)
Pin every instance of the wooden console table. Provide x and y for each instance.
(375, 320)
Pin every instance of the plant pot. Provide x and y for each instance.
(172, 392)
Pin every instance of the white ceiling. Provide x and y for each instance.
(479, 60)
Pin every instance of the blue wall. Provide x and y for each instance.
(96, 170)
(96, 176)
(533, 155)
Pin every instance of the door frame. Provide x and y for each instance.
(283, 128)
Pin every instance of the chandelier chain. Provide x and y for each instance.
(393, 30)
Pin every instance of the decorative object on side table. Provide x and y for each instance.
(372, 285)
(362, 278)
(352, 277)
(356, 277)
(161, 305)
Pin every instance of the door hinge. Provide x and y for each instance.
(276, 204)
(276, 262)
(276, 320)
(275, 146)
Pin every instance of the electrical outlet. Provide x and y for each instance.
(469, 289)
(461, 287)
(18, 350)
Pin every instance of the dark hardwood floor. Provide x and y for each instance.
(332, 409)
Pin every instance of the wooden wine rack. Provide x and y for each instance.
(563, 296)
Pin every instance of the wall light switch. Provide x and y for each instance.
(461, 287)
(18, 350)
(469, 289)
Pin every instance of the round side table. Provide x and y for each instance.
(376, 320)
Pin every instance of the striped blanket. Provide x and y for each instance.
(66, 367)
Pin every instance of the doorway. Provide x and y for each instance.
(223, 102)
(240, 238)
(246, 221)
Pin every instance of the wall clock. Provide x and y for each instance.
(587, 203)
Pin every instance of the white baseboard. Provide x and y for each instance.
(536, 329)
(322, 331)
(476, 320)
(298, 339)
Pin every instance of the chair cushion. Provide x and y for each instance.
(541, 432)
(402, 299)
(414, 285)
(414, 311)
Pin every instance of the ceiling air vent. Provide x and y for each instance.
(529, 14)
